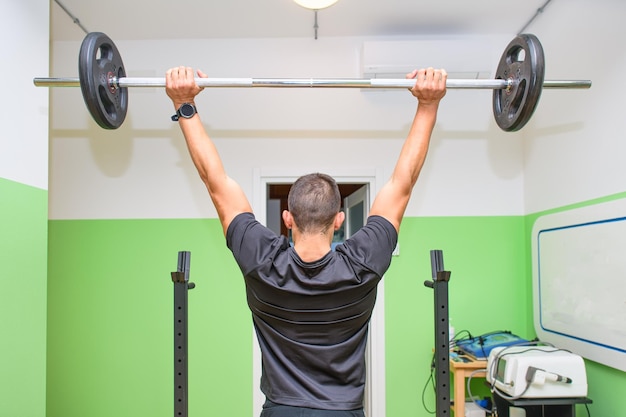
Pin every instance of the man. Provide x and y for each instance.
(311, 306)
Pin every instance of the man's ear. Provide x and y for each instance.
(287, 219)
(339, 219)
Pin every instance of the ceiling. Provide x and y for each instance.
(197, 19)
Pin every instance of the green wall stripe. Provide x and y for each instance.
(23, 235)
(110, 300)
(110, 310)
(110, 318)
(486, 259)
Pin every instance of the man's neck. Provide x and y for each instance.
(311, 247)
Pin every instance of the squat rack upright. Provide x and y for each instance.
(442, 338)
(180, 278)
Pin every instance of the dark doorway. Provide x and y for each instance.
(279, 193)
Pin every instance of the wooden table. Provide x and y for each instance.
(461, 371)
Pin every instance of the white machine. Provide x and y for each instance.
(536, 372)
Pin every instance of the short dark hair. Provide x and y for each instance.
(314, 201)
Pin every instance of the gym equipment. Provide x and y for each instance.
(441, 359)
(100, 63)
(523, 64)
(182, 285)
(517, 87)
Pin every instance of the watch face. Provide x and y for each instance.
(187, 110)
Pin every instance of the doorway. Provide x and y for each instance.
(354, 203)
(349, 181)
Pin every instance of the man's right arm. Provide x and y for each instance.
(227, 196)
(393, 198)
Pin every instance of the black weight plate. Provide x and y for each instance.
(523, 64)
(99, 62)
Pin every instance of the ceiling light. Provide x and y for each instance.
(316, 4)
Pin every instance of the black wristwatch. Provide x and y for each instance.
(186, 110)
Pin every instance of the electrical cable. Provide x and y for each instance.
(458, 338)
(430, 379)
(469, 390)
(502, 353)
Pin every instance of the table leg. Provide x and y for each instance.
(459, 393)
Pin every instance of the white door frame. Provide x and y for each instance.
(375, 402)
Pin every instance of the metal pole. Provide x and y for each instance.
(442, 341)
(71, 16)
(180, 278)
(492, 84)
(532, 19)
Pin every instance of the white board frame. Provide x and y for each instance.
(579, 281)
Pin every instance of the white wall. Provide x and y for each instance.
(575, 146)
(24, 29)
(24, 43)
(142, 170)
(570, 151)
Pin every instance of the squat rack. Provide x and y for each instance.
(439, 284)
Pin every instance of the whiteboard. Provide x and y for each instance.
(579, 281)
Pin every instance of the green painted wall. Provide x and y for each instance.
(486, 260)
(110, 313)
(110, 342)
(23, 247)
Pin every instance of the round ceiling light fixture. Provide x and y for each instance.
(316, 4)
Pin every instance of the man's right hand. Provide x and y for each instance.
(430, 85)
(180, 85)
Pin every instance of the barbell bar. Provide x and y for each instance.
(488, 84)
(518, 83)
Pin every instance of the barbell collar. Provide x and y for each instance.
(493, 84)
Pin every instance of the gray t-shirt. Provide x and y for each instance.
(311, 318)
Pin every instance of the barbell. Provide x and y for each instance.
(519, 81)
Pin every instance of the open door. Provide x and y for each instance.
(270, 199)
(356, 208)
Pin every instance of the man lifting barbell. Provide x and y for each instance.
(310, 306)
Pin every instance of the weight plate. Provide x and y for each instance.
(99, 63)
(523, 65)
